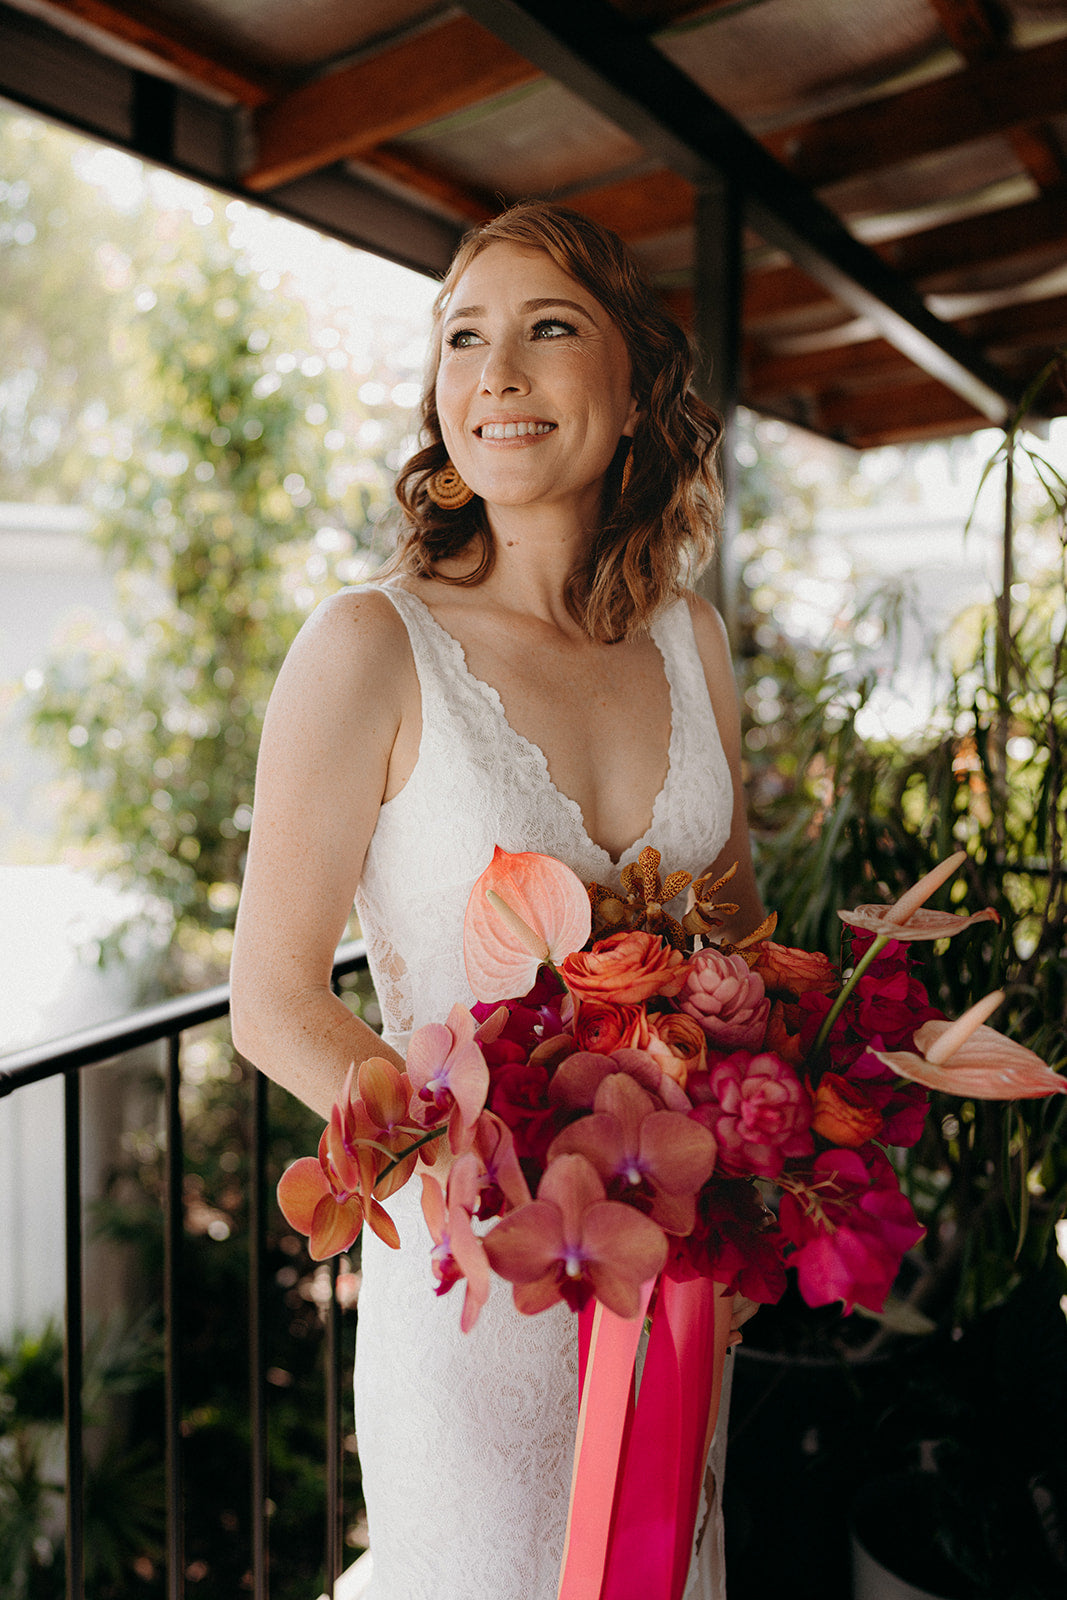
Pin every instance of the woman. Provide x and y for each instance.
(532, 675)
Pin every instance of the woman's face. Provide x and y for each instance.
(533, 388)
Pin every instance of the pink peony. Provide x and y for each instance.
(727, 999)
(759, 1112)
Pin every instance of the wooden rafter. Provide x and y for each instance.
(176, 51)
(981, 31)
(871, 361)
(910, 410)
(986, 97)
(431, 182)
(640, 207)
(437, 72)
(992, 236)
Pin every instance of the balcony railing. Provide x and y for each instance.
(68, 1057)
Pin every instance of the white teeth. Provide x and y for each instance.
(513, 430)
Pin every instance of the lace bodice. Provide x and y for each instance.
(478, 783)
(466, 1441)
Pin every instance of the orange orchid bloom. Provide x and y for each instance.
(966, 1058)
(525, 910)
(908, 918)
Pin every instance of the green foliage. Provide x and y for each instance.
(202, 414)
(841, 819)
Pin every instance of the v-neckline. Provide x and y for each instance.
(493, 697)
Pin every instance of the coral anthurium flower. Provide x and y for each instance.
(966, 1058)
(655, 1159)
(458, 1252)
(449, 1075)
(572, 1243)
(908, 919)
(524, 910)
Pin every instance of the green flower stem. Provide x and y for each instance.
(877, 946)
(434, 1133)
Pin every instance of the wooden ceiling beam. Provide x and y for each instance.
(1030, 324)
(981, 31)
(640, 207)
(992, 236)
(922, 408)
(431, 183)
(178, 52)
(985, 97)
(347, 112)
(870, 361)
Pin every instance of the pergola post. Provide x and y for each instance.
(717, 288)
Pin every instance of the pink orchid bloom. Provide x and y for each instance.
(501, 1184)
(449, 1076)
(572, 1243)
(655, 1159)
(966, 1058)
(908, 919)
(329, 1197)
(458, 1252)
(580, 1074)
(524, 910)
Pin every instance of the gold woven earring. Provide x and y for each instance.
(447, 489)
(627, 468)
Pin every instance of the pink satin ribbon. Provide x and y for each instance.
(638, 1470)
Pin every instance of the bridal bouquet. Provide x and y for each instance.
(652, 1122)
(627, 1097)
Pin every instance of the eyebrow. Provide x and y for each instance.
(527, 305)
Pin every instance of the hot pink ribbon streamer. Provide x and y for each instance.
(606, 1351)
(637, 1473)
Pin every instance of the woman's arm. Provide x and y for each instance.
(714, 649)
(340, 735)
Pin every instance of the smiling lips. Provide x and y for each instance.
(514, 430)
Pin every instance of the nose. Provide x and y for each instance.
(503, 370)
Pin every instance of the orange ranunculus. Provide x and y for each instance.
(677, 1043)
(795, 972)
(779, 1036)
(843, 1114)
(605, 1028)
(625, 969)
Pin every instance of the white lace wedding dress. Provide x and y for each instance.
(466, 1440)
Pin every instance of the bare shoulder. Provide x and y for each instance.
(709, 630)
(353, 644)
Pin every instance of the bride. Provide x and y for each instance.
(533, 674)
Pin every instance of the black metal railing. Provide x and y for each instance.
(68, 1057)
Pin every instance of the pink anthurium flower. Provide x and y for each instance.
(458, 1252)
(653, 1158)
(572, 1243)
(908, 919)
(966, 1058)
(524, 910)
(449, 1076)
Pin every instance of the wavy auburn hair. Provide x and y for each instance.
(663, 529)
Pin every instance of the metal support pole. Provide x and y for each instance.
(174, 1219)
(73, 1341)
(1003, 713)
(257, 1246)
(334, 1503)
(717, 289)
